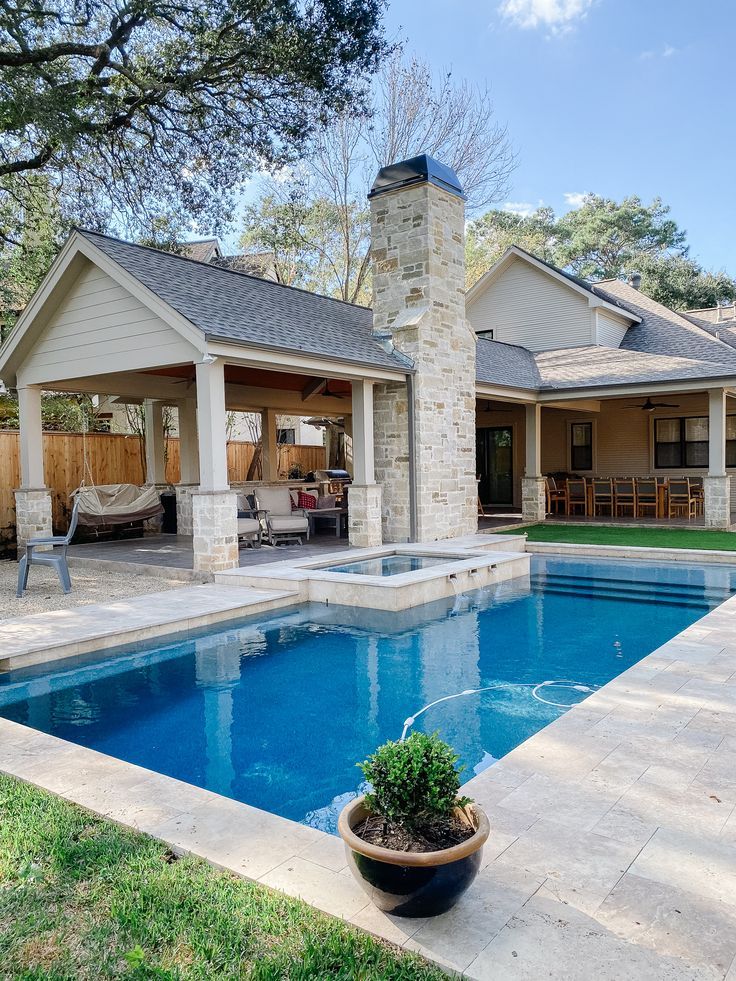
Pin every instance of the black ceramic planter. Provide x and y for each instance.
(413, 883)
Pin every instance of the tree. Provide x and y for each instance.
(488, 238)
(322, 232)
(145, 115)
(603, 238)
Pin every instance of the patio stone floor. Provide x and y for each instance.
(613, 845)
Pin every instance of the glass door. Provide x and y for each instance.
(495, 455)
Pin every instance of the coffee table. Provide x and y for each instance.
(337, 516)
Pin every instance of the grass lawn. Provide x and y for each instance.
(83, 898)
(647, 537)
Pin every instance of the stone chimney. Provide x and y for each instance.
(424, 452)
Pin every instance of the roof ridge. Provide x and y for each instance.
(491, 340)
(223, 269)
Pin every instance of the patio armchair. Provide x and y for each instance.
(279, 521)
(646, 496)
(250, 527)
(602, 495)
(698, 492)
(680, 498)
(55, 556)
(624, 495)
(555, 496)
(577, 495)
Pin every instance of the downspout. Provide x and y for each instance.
(412, 427)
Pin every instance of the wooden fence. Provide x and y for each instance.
(113, 459)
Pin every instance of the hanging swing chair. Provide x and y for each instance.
(113, 504)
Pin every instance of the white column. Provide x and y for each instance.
(31, 438)
(155, 455)
(362, 432)
(269, 445)
(212, 426)
(533, 466)
(187, 411)
(716, 432)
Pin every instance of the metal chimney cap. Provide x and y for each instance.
(634, 280)
(417, 170)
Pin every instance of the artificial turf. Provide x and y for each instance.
(81, 898)
(639, 537)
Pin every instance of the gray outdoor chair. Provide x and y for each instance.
(56, 556)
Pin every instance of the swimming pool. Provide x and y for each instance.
(276, 711)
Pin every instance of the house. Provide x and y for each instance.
(534, 371)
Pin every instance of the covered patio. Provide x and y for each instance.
(613, 457)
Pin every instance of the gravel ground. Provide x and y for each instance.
(44, 592)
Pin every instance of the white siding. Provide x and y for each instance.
(100, 327)
(528, 307)
(611, 329)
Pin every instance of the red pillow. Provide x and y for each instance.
(307, 501)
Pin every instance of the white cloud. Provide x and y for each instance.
(666, 51)
(575, 199)
(556, 15)
(521, 208)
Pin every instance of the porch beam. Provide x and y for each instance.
(153, 413)
(269, 445)
(362, 433)
(31, 438)
(187, 411)
(212, 425)
(716, 432)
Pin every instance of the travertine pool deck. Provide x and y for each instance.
(613, 846)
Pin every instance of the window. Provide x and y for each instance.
(488, 334)
(286, 437)
(581, 446)
(683, 443)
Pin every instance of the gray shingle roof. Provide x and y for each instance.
(233, 306)
(505, 364)
(593, 366)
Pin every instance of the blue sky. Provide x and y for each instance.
(612, 96)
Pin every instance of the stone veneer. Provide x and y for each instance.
(533, 500)
(717, 501)
(184, 508)
(32, 514)
(364, 515)
(214, 530)
(419, 296)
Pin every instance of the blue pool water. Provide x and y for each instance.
(388, 565)
(275, 712)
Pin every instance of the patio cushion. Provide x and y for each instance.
(283, 523)
(277, 500)
(307, 500)
(248, 526)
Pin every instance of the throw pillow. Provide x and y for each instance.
(307, 501)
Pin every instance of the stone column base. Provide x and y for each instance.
(364, 515)
(717, 505)
(184, 508)
(32, 515)
(533, 503)
(214, 530)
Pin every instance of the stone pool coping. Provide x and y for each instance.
(698, 556)
(47, 637)
(613, 842)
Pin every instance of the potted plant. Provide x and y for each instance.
(412, 842)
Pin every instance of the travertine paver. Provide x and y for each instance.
(613, 843)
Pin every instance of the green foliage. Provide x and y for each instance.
(102, 902)
(146, 115)
(60, 413)
(604, 239)
(414, 781)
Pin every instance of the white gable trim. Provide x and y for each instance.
(60, 278)
(513, 253)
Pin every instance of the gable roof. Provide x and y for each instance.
(201, 249)
(506, 365)
(229, 305)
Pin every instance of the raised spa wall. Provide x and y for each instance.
(465, 570)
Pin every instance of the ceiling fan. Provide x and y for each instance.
(649, 406)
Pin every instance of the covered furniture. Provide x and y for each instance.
(55, 556)
(117, 504)
(282, 523)
(250, 529)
